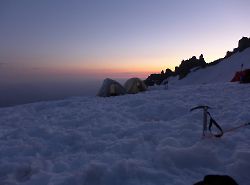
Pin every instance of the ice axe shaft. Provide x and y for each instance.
(205, 108)
(204, 120)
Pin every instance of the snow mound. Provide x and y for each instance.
(150, 138)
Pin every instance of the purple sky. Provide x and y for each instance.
(59, 39)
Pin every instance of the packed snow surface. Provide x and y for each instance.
(150, 138)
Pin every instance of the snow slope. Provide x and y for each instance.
(150, 138)
(222, 72)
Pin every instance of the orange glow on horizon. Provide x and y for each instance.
(103, 72)
(123, 68)
(113, 67)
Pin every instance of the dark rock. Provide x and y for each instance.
(201, 59)
(154, 79)
(243, 44)
(168, 72)
(235, 50)
(158, 78)
(183, 69)
(187, 65)
(217, 180)
(229, 54)
(214, 62)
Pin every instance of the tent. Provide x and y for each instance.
(111, 88)
(134, 85)
(237, 77)
(242, 76)
(246, 76)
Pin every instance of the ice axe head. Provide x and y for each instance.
(204, 107)
(205, 113)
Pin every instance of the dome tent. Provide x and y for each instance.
(242, 76)
(111, 88)
(134, 85)
(246, 77)
(237, 77)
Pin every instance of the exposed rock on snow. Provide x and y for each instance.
(243, 44)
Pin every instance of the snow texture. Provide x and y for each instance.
(150, 138)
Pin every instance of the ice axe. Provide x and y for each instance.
(213, 122)
(205, 113)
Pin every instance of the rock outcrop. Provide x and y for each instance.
(186, 66)
(243, 44)
(182, 70)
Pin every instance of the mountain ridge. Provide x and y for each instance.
(188, 65)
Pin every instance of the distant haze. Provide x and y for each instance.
(14, 94)
(28, 92)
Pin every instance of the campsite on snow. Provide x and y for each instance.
(148, 135)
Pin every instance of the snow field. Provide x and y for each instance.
(150, 138)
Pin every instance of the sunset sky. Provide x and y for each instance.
(41, 39)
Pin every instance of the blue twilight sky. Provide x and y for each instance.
(60, 39)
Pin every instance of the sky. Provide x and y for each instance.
(46, 40)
